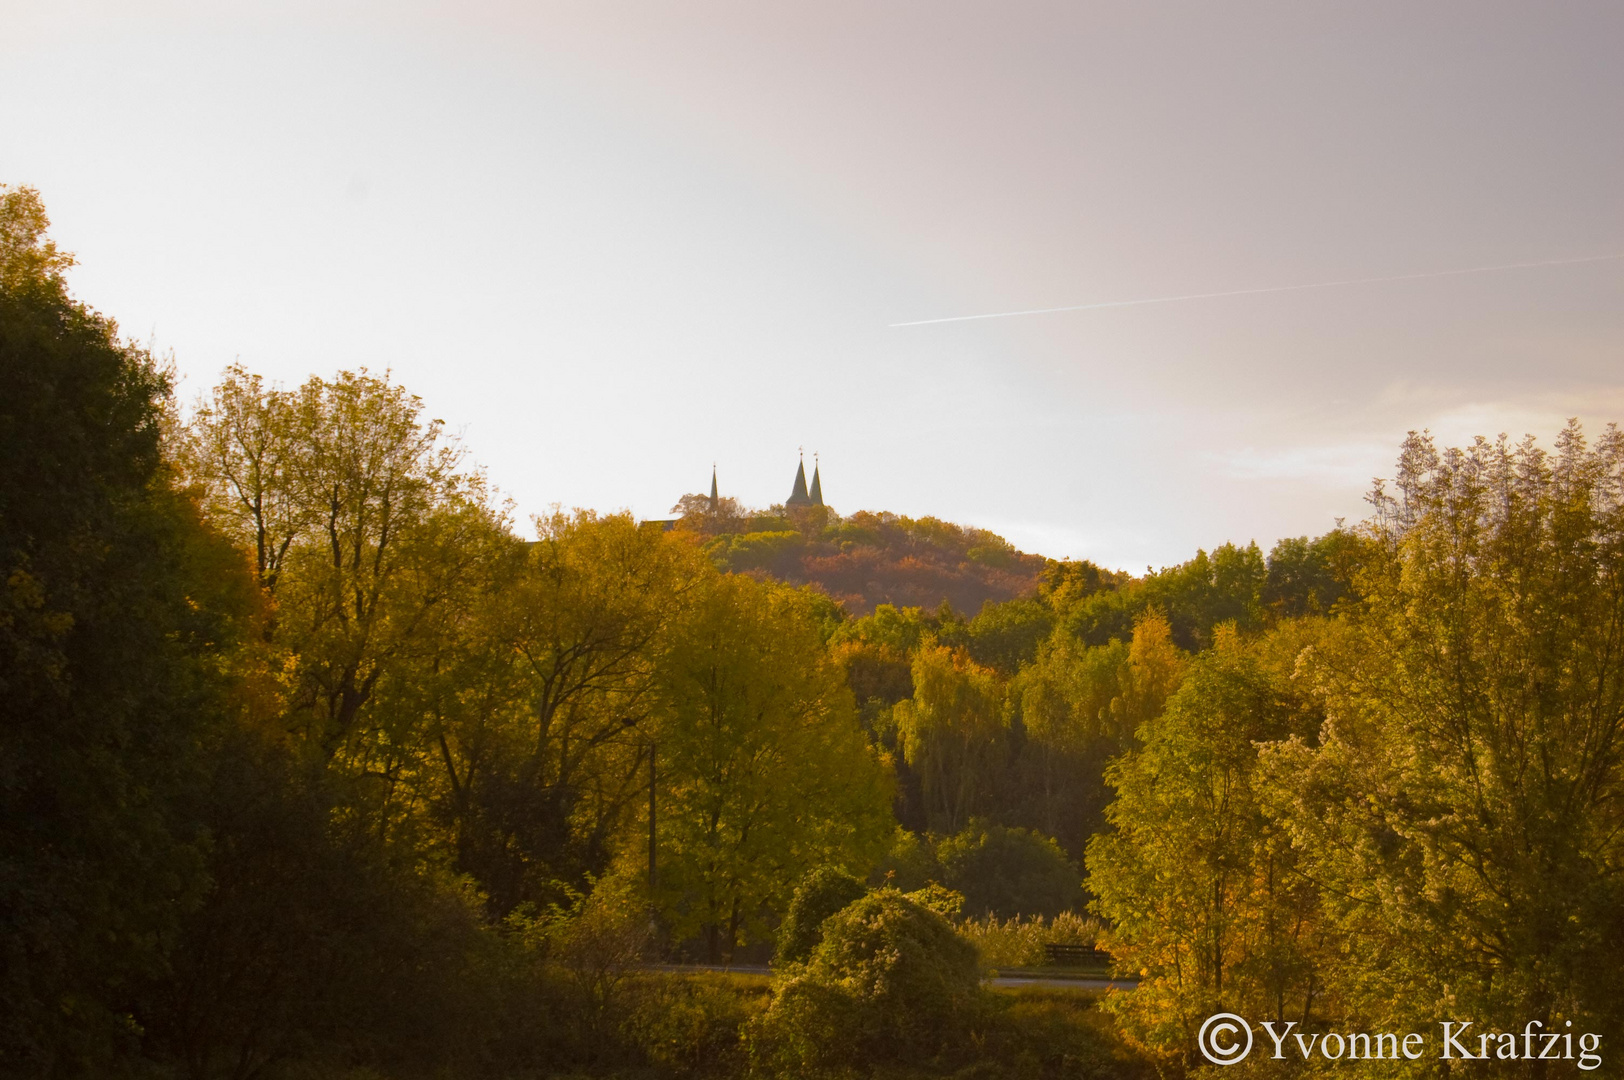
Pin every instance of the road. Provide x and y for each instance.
(1054, 982)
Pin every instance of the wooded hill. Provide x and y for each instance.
(866, 559)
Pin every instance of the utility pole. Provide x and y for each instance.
(652, 833)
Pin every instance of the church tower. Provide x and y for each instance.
(714, 501)
(798, 496)
(817, 483)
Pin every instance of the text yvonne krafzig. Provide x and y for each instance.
(1226, 1039)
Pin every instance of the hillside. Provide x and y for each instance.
(866, 559)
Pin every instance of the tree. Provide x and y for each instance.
(118, 611)
(1199, 884)
(1464, 805)
(952, 733)
(765, 771)
(1308, 577)
(243, 445)
(539, 769)
(1007, 872)
(1005, 636)
(1079, 706)
(373, 545)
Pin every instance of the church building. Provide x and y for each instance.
(798, 495)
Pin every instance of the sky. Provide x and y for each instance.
(611, 244)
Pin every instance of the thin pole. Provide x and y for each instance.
(652, 776)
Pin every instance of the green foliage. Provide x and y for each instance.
(1463, 805)
(543, 708)
(756, 550)
(1201, 888)
(1043, 1034)
(764, 769)
(1196, 597)
(891, 983)
(29, 262)
(952, 734)
(910, 864)
(119, 612)
(1008, 872)
(900, 630)
(1064, 583)
(821, 893)
(311, 942)
(945, 902)
(1004, 636)
(310, 766)
(1308, 577)
(1079, 706)
(691, 1027)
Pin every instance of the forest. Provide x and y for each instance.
(315, 763)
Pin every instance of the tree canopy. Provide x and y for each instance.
(314, 762)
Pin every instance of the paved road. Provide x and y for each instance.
(1056, 982)
(1061, 982)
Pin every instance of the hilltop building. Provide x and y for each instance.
(798, 495)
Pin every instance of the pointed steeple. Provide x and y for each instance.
(817, 483)
(799, 497)
(713, 499)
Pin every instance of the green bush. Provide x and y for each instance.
(1041, 1034)
(823, 892)
(1008, 872)
(891, 983)
(689, 1026)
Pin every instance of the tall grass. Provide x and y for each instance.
(1018, 942)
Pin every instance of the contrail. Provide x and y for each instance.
(1268, 289)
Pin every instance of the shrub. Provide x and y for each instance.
(1045, 1033)
(891, 983)
(689, 1026)
(823, 892)
(940, 899)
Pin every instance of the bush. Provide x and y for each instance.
(1045, 1033)
(1008, 872)
(891, 983)
(311, 944)
(822, 893)
(689, 1026)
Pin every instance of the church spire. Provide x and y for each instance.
(713, 499)
(799, 497)
(817, 483)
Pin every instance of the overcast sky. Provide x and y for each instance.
(613, 243)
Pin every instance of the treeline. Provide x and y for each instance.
(312, 764)
(1011, 716)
